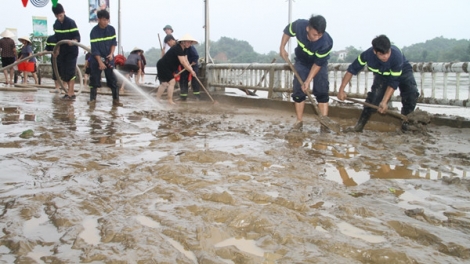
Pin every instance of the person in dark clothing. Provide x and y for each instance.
(87, 67)
(8, 54)
(311, 62)
(51, 43)
(169, 63)
(132, 66)
(142, 70)
(391, 71)
(193, 58)
(103, 43)
(66, 29)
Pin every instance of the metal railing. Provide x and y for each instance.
(439, 83)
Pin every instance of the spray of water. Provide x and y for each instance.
(136, 88)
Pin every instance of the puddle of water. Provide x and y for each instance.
(90, 234)
(148, 155)
(41, 229)
(236, 145)
(349, 150)
(39, 251)
(135, 140)
(352, 231)
(274, 194)
(147, 221)
(350, 177)
(189, 254)
(4, 250)
(14, 174)
(242, 244)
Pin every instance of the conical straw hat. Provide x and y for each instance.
(25, 38)
(7, 34)
(187, 37)
(136, 49)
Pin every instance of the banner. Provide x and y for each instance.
(94, 6)
(39, 26)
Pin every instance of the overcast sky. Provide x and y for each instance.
(260, 22)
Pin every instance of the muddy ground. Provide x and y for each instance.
(204, 183)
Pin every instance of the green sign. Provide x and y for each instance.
(39, 26)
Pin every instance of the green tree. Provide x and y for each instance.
(352, 54)
(438, 49)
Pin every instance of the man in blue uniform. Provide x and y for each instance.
(311, 62)
(103, 43)
(193, 58)
(391, 71)
(65, 28)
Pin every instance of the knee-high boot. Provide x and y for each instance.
(93, 93)
(365, 115)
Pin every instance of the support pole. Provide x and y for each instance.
(119, 28)
(206, 28)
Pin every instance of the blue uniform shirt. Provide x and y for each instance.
(393, 68)
(192, 54)
(309, 52)
(102, 39)
(67, 30)
(50, 43)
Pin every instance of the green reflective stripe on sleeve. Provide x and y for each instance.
(304, 48)
(290, 30)
(374, 70)
(50, 44)
(322, 55)
(396, 74)
(73, 78)
(102, 39)
(66, 30)
(360, 61)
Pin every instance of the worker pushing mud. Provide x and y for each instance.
(311, 62)
(391, 71)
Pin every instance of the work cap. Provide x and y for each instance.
(168, 27)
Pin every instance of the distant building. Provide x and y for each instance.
(221, 57)
(341, 54)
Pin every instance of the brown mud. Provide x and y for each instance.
(204, 183)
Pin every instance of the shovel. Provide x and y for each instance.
(324, 120)
(207, 92)
(393, 113)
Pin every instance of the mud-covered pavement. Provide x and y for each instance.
(204, 183)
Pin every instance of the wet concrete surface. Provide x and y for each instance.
(225, 183)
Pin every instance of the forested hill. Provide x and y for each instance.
(228, 50)
(439, 50)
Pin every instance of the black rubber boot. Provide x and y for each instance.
(362, 121)
(93, 93)
(117, 103)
